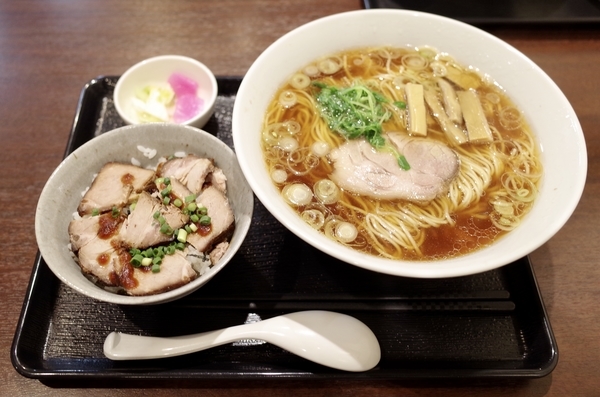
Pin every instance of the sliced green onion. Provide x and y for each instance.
(156, 215)
(177, 203)
(193, 227)
(166, 191)
(95, 212)
(146, 261)
(166, 229)
(115, 212)
(403, 163)
(400, 104)
(180, 246)
(166, 200)
(182, 235)
(190, 198)
(158, 181)
(155, 268)
(137, 260)
(194, 217)
(205, 220)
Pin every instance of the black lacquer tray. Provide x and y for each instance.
(487, 325)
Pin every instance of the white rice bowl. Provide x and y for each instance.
(141, 145)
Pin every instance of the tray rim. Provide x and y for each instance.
(47, 374)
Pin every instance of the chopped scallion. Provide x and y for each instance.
(182, 235)
(190, 198)
(136, 261)
(146, 261)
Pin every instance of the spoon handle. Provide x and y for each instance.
(121, 346)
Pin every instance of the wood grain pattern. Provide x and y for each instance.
(50, 48)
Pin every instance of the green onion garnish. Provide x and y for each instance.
(146, 261)
(182, 235)
(137, 260)
(190, 198)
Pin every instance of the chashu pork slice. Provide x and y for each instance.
(363, 170)
(178, 190)
(95, 241)
(175, 271)
(112, 187)
(190, 170)
(222, 219)
(218, 179)
(141, 229)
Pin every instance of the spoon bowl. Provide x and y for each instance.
(332, 339)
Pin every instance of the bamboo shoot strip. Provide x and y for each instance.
(462, 79)
(417, 117)
(451, 104)
(454, 133)
(477, 125)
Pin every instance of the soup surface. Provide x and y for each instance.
(401, 153)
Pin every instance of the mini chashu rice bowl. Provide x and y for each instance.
(63, 192)
(543, 105)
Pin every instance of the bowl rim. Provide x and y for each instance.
(242, 225)
(209, 102)
(460, 266)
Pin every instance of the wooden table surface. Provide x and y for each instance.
(50, 48)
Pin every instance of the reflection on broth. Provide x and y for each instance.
(401, 153)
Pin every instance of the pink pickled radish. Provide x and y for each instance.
(187, 102)
(182, 85)
(186, 107)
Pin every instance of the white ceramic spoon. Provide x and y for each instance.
(331, 339)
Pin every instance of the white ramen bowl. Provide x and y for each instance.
(62, 193)
(549, 114)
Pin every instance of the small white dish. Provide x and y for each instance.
(156, 71)
(62, 193)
